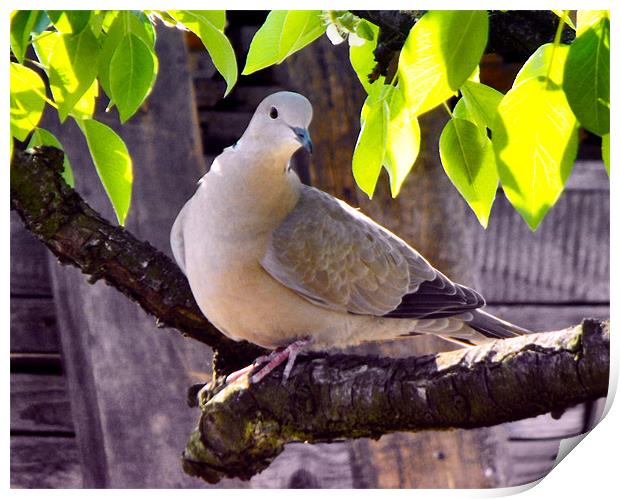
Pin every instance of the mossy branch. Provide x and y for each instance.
(243, 428)
(79, 236)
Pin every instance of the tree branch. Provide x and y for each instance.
(514, 35)
(79, 236)
(327, 398)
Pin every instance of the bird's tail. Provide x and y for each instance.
(474, 327)
(494, 327)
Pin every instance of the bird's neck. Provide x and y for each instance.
(256, 184)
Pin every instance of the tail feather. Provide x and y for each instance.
(468, 329)
(494, 327)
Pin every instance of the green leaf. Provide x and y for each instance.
(27, 100)
(108, 18)
(363, 62)
(366, 30)
(467, 157)
(537, 66)
(70, 21)
(23, 23)
(44, 45)
(113, 164)
(481, 102)
(567, 20)
(133, 70)
(586, 77)
(166, 18)
(535, 143)
(370, 146)
(123, 24)
(605, 151)
(283, 33)
(215, 17)
(42, 23)
(85, 107)
(149, 29)
(214, 40)
(463, 112)
(403, 140)
(72, 69)
(42, 137)
(441, 51)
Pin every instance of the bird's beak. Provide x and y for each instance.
(303, 137)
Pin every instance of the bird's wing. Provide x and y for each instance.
(336, 257)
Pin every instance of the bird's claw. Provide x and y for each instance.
(273, 360)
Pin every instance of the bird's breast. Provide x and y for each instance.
(225, 241)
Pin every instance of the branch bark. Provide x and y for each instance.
(328, 398)
(79, 236)
(514, 35)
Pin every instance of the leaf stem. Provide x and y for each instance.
(556, 42)
(447, 109)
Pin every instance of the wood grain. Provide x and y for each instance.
(304, 466)
(29, 272)
(565, 260)
(40, 404)
(44, 462)
(33, 324)
(548, 317)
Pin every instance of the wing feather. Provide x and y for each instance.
(336, 257)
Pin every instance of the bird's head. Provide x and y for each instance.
(281, 120)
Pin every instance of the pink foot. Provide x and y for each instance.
(234, 376)
(278, 357)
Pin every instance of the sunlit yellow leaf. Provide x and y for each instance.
(442, 50)
(27, 100)
(535, 143)
(537, 66)
(370, 147)
(403, 140)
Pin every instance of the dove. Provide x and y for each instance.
(289, 267)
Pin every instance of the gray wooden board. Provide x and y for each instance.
(308, 466)
(548, 317)
(29, 273)
(222, 128)
(33, 323)
(565, 260)
(40, 403)
(571, 423)
(128, 379)
(588, 175)
(44, 462)
(243, 98)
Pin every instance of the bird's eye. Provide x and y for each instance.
(273, 113)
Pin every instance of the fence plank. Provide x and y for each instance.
(40, 403)
(33, 324)
(29, 272)
(44, 462)
(548, 317)
(565, 260)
